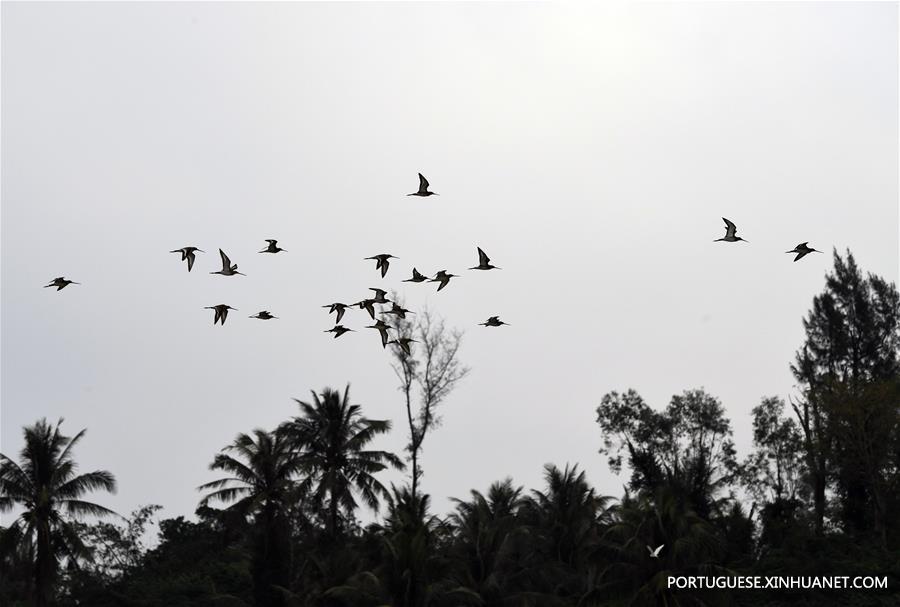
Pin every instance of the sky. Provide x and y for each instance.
(590, 151)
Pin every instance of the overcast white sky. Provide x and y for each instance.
(590, 151)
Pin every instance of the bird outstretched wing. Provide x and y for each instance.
(730, 228)
(483, 259)
(423, 183)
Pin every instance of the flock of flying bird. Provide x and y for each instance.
(442, 277)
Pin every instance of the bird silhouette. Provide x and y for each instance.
(273, 247)
(187, 253)
(379, 296)
(417, 277)
(403, 343)
(398, 310)
(730, 233)
(339, 308)
(383, 330)
(228, 269)
(382, 262)
(368, 305)
(423, 188)
(264, 315)
(443, 278)
(61, 283)
(484, 262)
(654, 554)
(221, 312)
(802, 250)
(493, 321)
(339, 330)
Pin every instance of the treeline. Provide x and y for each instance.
(818, 495)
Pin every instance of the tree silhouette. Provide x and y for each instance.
(45, 485)
(688, 446)
(262, 485)
(427, 375)
(330, 438)
(852, 343)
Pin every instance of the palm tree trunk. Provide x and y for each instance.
(332, 519)
(44, 566)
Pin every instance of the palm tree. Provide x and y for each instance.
(409, 567)
(691, 546)
(45, 486)
(330, 437)
(262, 485)
(566, 519)
(492, 548)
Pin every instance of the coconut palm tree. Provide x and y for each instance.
(44, 484)
(330, 438)
(409, 566)
(690, 546)
(566, 520)
(492, 551)
(262, 484)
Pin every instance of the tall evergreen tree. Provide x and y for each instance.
(848, 411)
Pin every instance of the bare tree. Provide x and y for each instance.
(427, 374)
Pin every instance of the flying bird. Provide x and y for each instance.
(484, 262)
(188, 254)
(264, 315)
(382, 262)
(423, 188)
(443, 278)
(379, 296)
(730, 233)
(368, 305)
(228, 269)
(340, 309)
(221, 312)
(383, 330)
(802, 250)
(417, 277)
(403, 343)
(398, 310)
(493, 321)
(654, 554)
(61, 283)
(339, 330)
(273, 247)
